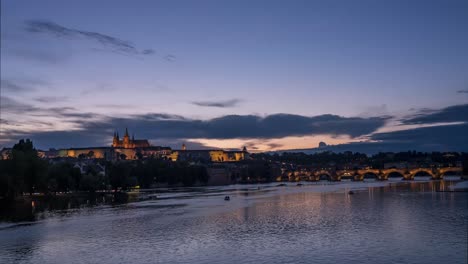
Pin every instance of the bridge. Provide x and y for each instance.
(360, 174)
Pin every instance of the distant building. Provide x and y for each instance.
(126, 142)
(322, 144)
(208, 155)
(132, 149)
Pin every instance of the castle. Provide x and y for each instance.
(130, 149)
(126, 142)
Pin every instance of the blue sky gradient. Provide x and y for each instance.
(201, 60)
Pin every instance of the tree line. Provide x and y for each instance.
(376, 161)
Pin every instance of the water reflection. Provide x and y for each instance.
(410, 222)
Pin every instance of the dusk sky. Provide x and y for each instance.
(271, 75)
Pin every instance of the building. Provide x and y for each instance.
(130, 149)
(208, 155)
(126, 142)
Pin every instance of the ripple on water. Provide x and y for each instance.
(380, 223)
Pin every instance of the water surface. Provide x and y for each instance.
(390, 222)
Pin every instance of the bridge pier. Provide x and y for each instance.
(382, 177)
(437, 176)
(314, 178)
(408, 177)
(358, 177)
(335, 177)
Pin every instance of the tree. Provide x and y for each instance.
(119, 175)
(90, 154)
(29, 170)
(139, 155)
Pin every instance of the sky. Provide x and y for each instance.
(270, 75)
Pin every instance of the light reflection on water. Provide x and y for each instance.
(410, 222)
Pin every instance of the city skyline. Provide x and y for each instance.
(369, 75)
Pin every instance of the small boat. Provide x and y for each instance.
(227, 198)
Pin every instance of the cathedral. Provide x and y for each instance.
(126, 142)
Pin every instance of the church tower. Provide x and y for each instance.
(126, 139)
(115, 140)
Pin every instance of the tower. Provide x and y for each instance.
(184, 147)
(115, 140)
(126, 139)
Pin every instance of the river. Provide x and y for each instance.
(382, 222)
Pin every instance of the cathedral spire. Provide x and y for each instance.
(126, 132)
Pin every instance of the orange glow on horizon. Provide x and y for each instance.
(275, 144)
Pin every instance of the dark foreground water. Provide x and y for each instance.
(404, 222)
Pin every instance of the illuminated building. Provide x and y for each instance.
(126, 142)
(131, 149)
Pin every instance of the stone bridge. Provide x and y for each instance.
(360, 174)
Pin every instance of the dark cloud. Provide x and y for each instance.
(4, 121)
(221, 104)
(160, 116)
(10, 86)
(148, 52)
(426, 139)
(274, 145)
(11, 106)
(41, 26)
(166, 126)
(456, 113)
(462, 91)
(170, 57)
(51, 99)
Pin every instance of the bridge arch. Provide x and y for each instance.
(422, 172)
(324, 176)
(370, 175)
(394, 174)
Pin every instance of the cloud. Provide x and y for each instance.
(170, 57)
(148, 52)
(42, 26)
(274, 145)
(462, 91)
(11, 106)
(51, 99)
(456, 113)
(10, 86)
(427, 139)
(156, 126)
(221, 104)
